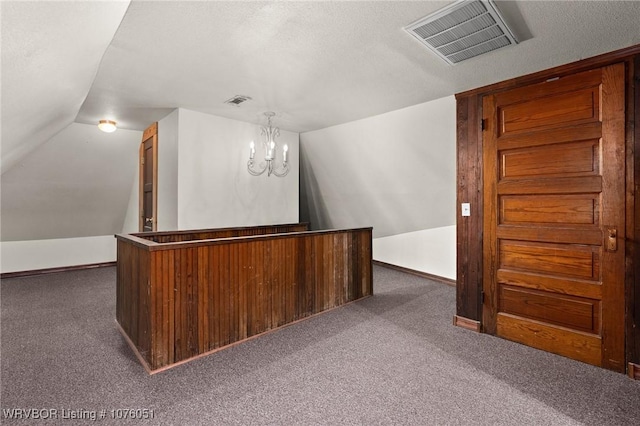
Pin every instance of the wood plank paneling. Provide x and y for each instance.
(205, 297)
(234, 294)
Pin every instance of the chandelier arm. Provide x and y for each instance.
(285, 170)
(250, 165)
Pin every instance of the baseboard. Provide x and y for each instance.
(17, 274)
(634, 371)
(431, 277)
(467, 323)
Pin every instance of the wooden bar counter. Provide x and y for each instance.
(184, 294)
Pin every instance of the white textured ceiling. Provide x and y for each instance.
(50, 55)
(315, 63)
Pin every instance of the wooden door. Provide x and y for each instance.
(554, 210)
(149, 179)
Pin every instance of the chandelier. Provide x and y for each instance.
(270, 145)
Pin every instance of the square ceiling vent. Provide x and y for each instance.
(237, 100)
(463, 30)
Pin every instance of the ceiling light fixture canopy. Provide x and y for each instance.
(270, 149)
(107, 126)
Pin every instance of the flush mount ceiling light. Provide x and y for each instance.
(107, 126)
(463, 30)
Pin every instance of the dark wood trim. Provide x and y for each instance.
(633, 214)
(634, 371)
(469, 190)
(206, 241)
(467, 323)
(236, 229)
(167, 237)
(149, 132)
(438, 278)
(559, 71)
(17, 274)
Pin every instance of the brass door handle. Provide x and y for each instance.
(612, 239)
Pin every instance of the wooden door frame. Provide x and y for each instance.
(150, 132)
(470, 190)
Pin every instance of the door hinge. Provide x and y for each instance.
(142, 160)
(483, 124)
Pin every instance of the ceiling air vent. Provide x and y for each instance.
(465, 29)
(237, 100)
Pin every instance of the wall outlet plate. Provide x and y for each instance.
(466, 209)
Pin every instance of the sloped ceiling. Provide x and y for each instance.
(77, 184)
(315, 63)
(51, 52)
(321, 63)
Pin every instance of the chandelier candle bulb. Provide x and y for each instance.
(284, 153)
(272, 145)
(252, 150)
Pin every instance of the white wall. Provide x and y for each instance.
(202, 176)
(167, 215)
(395, 172)
(431, 250)
(43, 254)
(131, 221)
(168, 153)
(214, 187)
(62, 204)
(203, 181)
(74, 185)
(47, 68)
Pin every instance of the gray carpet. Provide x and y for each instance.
(394, 358)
